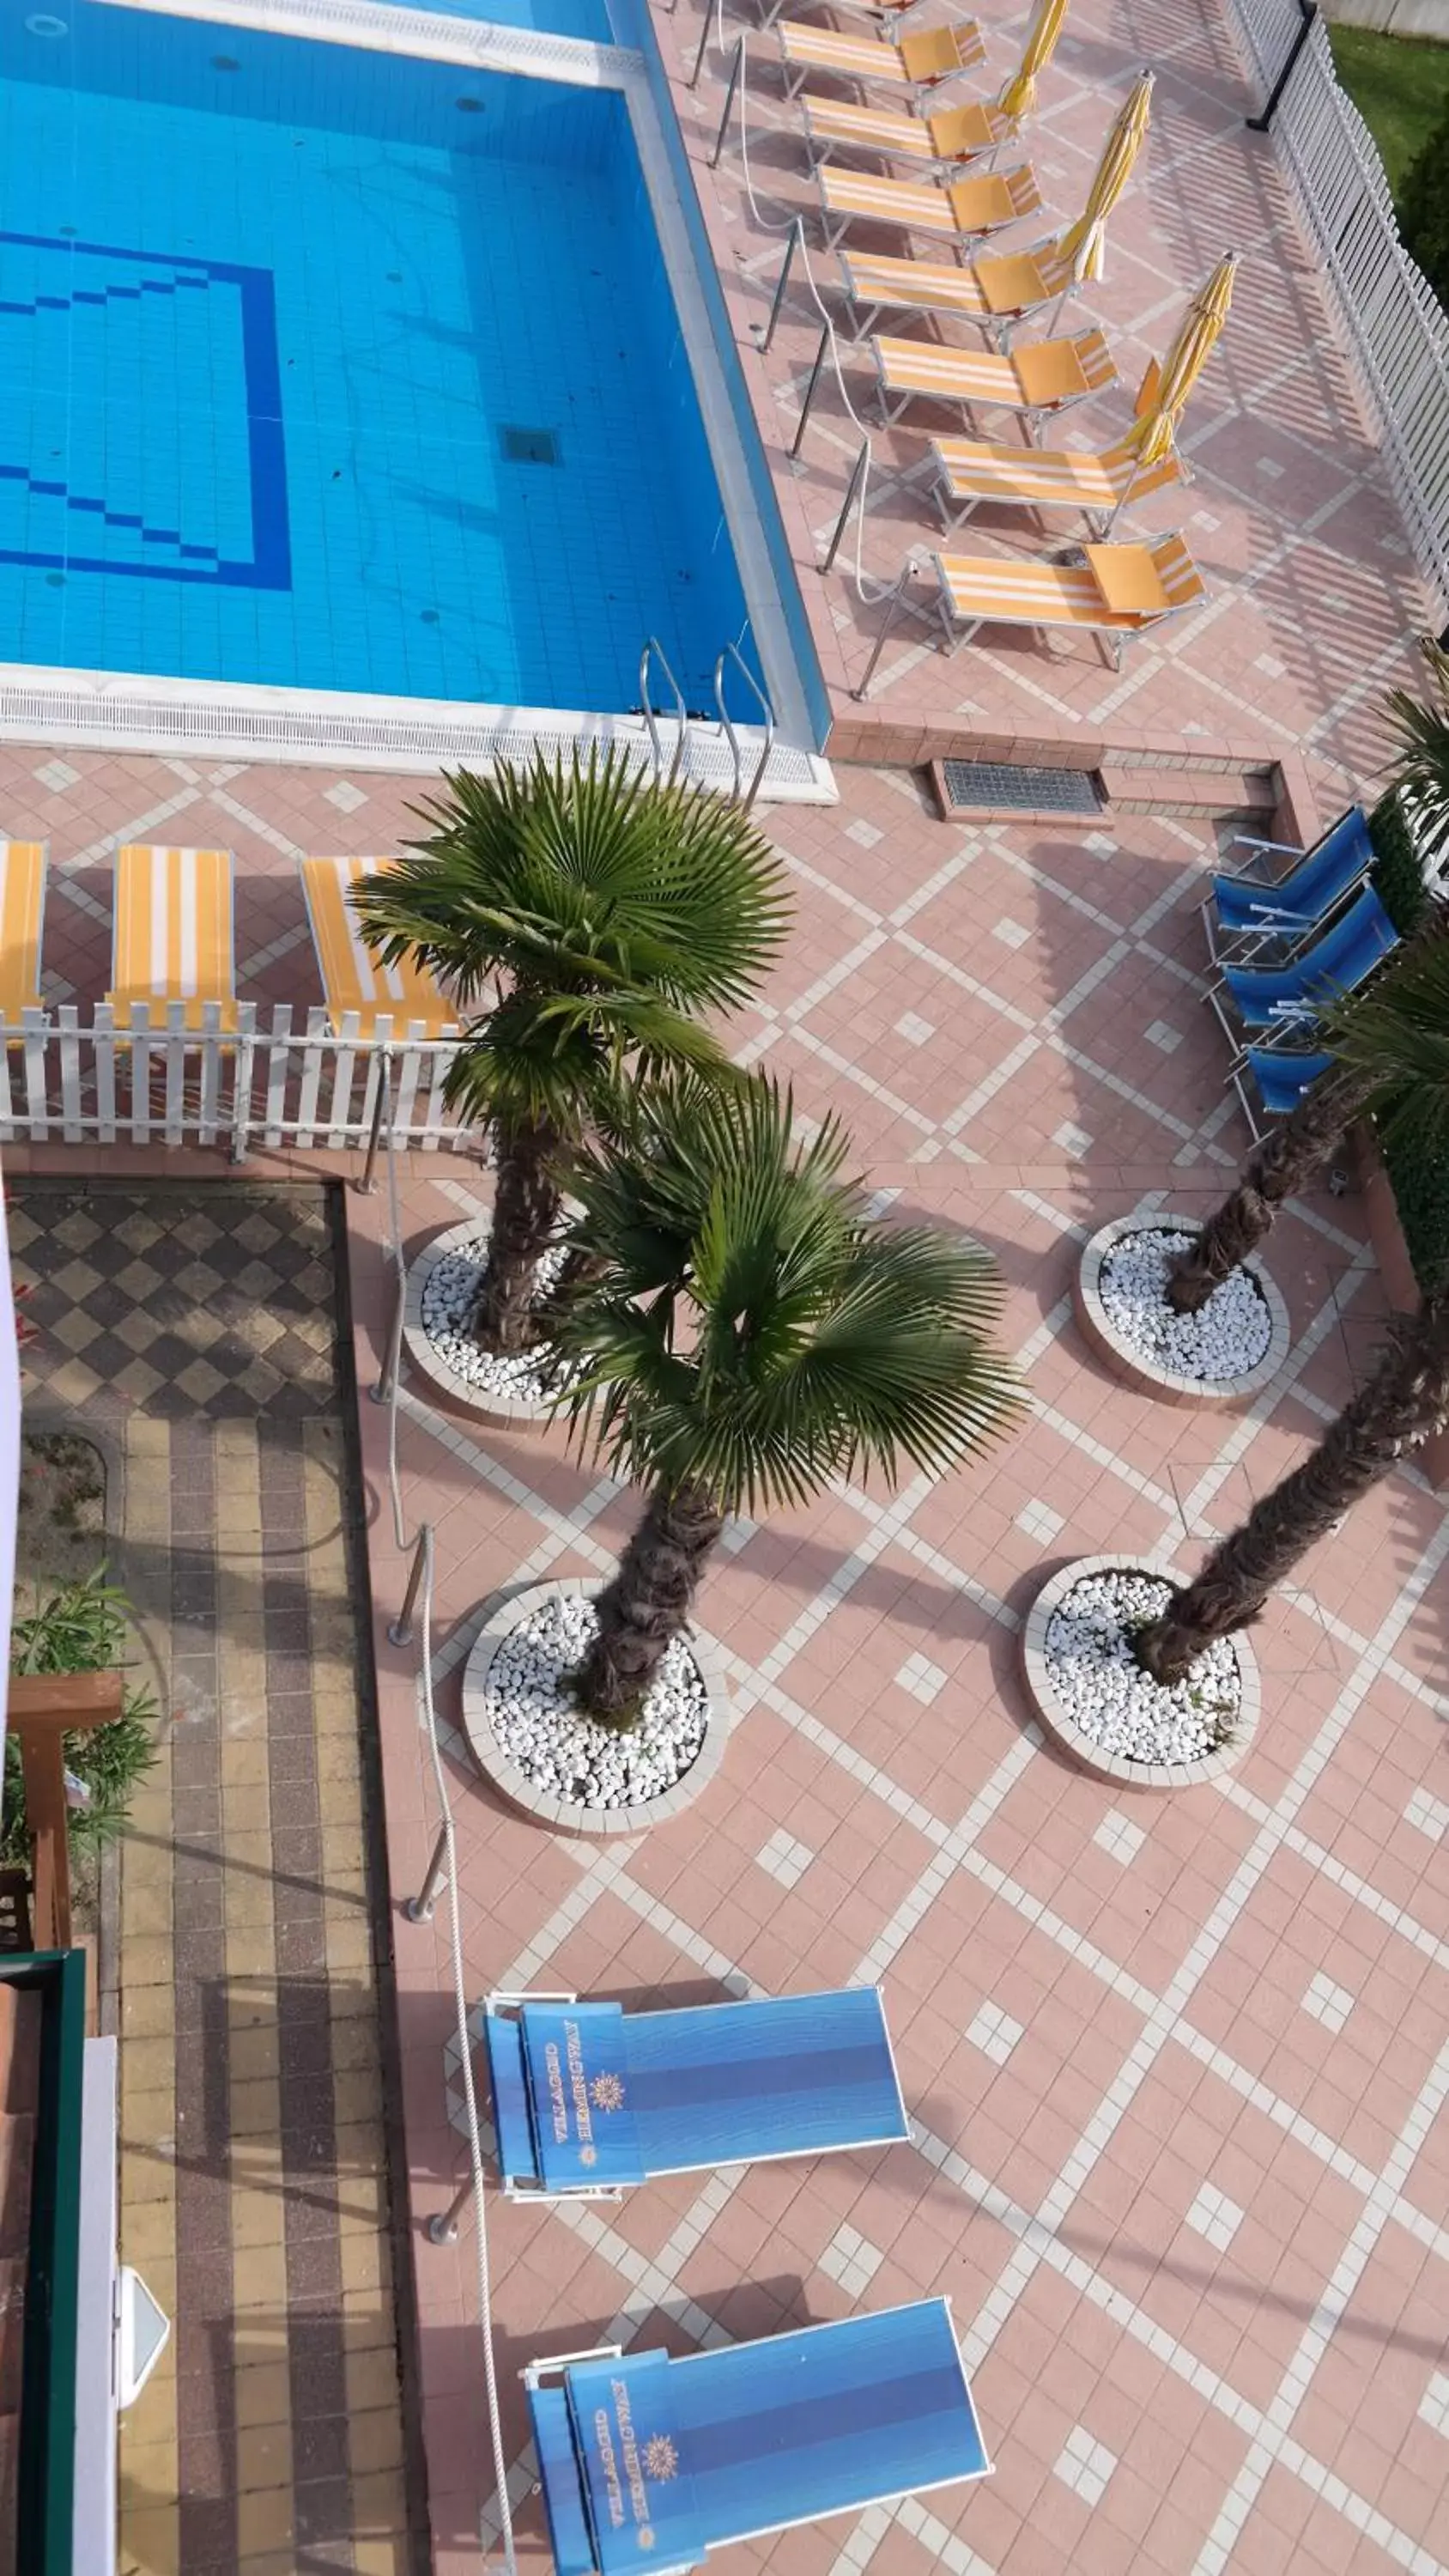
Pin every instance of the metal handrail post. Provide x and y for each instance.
(419, 1908)
(386, 1386)
(797, 234)
(443, 2225)
(857, 478)
(400, 1629)
(704, 36)
(733, 83)
(810, 390)
(367, 1186)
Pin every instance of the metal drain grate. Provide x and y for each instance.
(1004, 785)
(529, 447)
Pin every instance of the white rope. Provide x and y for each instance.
(449, 1838)
(870, 593)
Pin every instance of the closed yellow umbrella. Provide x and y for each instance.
(1018, 99)
(1198, 337)
(1085, 242)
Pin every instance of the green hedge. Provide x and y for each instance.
(1418, 1177)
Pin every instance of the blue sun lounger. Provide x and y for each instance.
(649, 2461)
(1245, 914)
(590, 2099)
(1281, 1076)
(1260, 999)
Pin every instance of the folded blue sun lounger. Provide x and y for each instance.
(1281, 1075)
(649, 2461)
(1253, 1000)
(1245, 915)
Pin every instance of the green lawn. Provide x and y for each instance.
(1399, 85)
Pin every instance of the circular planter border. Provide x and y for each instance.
(1067, 1735)
(507, 1611)
(1127, 1363)
(425, 1355)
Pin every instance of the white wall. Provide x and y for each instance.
(1395, 17)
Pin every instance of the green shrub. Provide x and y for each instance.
(81, 1629)
(1397, 875)
(1423, 209)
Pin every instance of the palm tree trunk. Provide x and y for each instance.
(649, 1601)
(1403, 1403)
(526, 1204)
(1290, 1156)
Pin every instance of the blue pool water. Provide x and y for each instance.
(287, 333)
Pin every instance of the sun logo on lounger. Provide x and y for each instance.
(588, 2155)
(661, 2460)
(607, 2093)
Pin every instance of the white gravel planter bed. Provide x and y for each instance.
(565, 1769)
(441, 1282)
(1112, 1718)
(1221, 1355)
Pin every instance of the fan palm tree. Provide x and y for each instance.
(1390, 1050)
(748, 1334)
(1403, 1402)
(1421, 767)
(605, 911)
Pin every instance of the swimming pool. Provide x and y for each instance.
(339, 370)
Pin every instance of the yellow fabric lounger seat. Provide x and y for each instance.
(971, 470)
(915, 61)
(1046, 377)
(352, 977)
(1114, 590)
(22, 911)
(960, 213)
(951, 136)
(173, 935)
(998, 290)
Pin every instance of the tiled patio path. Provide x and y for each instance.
(197, 1328)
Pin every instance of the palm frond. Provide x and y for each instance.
(1396, 1035)
(752, 1333)
(1419, 731)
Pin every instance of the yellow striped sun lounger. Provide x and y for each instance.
(173, 935)
(1116, 591)
(22, 910)
(896, 59)
(942, 141)
(972, 470)
(961, 212)
(997, 290)
(1044, 378)
(352, 977)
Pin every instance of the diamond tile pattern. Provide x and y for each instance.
(209, 1303)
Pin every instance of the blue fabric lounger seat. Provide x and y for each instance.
(587, 2097)
(1244, 915)
(648, 2461)
(1272, 998)
(1280, 1076)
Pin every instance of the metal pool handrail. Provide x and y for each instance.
(761, 696)
(654, 652)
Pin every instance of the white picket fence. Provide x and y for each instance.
(161, 1084)
(1395, 330)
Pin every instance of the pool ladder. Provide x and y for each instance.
(684, 723)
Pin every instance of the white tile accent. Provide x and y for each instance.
(345, 796)
(737, 1534)
(1072, 1140)
(1040, 1522)
(1085, 2465)
(1158, 1034)
(1328, 2003)
(1215, 2217)
(56, 774)
(1434, 2404)
(865, 835)
(924, 1680)
(852, 2260)
(785, 1859)
(1270, 666)
(995, 2033)
(1101, 845)
(1119, 1837)
(911, 1025)
(1429, 1814)
(1011, 934)
(1206, 519)
(1269, 465)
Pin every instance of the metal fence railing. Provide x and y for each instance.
(1395, 330)
(308, 1085)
